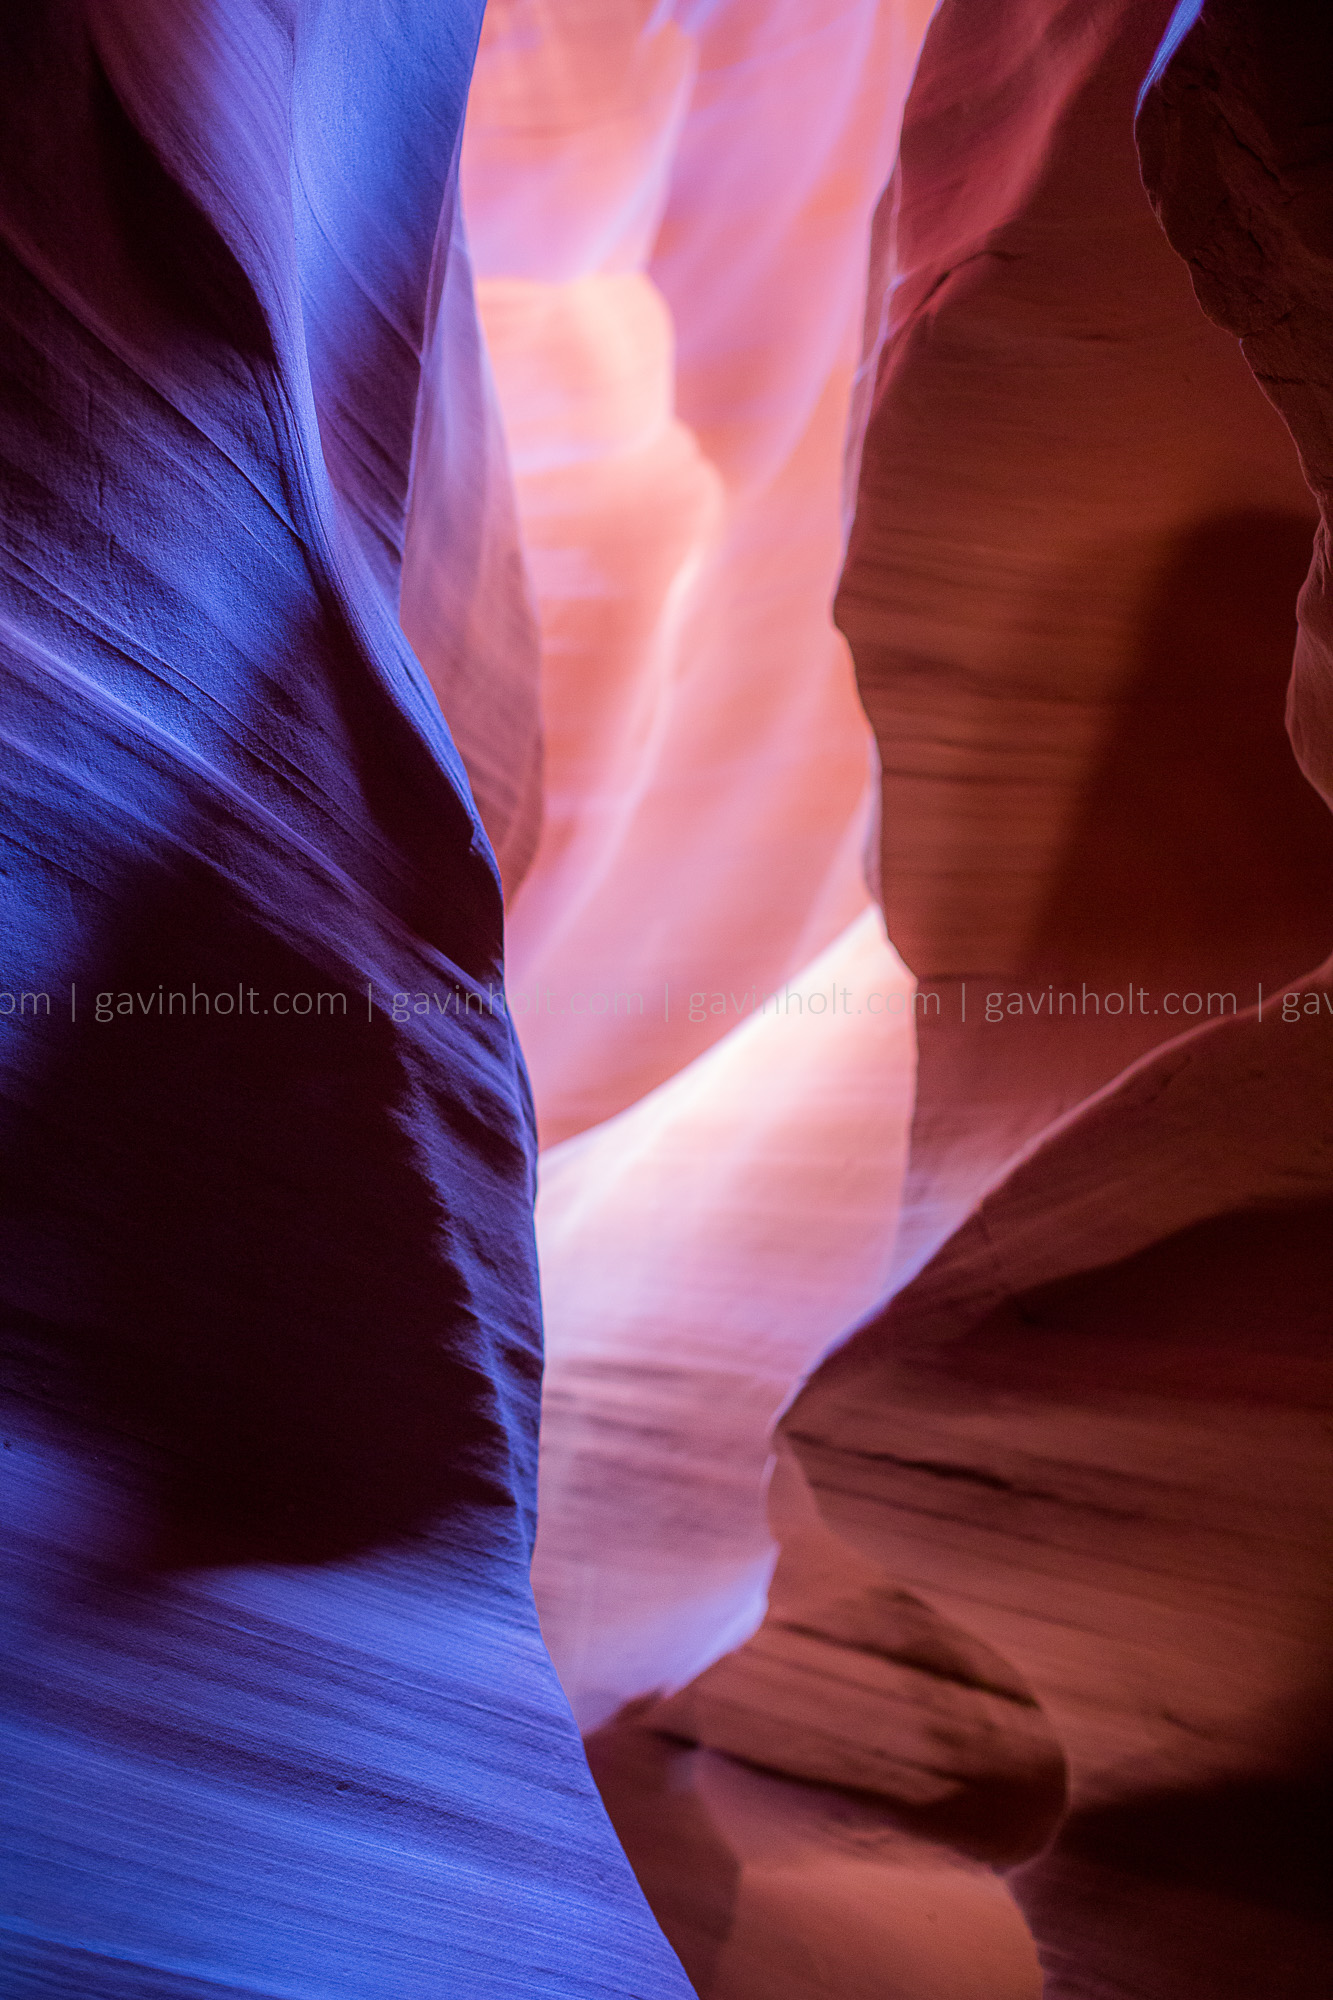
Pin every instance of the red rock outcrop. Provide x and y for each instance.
(1093, 1432)
(1070, 1589)
(1078, 536)
(1092, 1429)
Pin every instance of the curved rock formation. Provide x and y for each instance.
(280, 1719)
(1043, 1547)
(770, 1887)
(1232, 135)
(677, 443)
(465, 602)
(670, 211)
(668, 208)
(699, 1253)
(1091, 1427)
(1093, 1431)
(1079, 532)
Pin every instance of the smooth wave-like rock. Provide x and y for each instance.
(721, 1164)
(854, 1685)
(1232, 136)
(1090, 1428)
(1093, 1432)
(668, 209)
(699, 1253)
(767, 1886)
(280, 1716)
(713, 1151)
(1078, 536)
(465, 601)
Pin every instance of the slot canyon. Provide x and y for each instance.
(666, 1006)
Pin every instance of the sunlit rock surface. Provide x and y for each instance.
(670, 216)
(700, 1252)
(280, 1719)
(668, 210)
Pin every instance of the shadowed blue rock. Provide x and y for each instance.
(282, 1722)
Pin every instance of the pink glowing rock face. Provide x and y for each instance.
(673, 322)
(673, 325)
(669, 219)
(1050, 1521)
(700, 1251)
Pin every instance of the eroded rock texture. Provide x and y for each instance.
(1233, 135)
(1053, 1525)
(281, 1719)
(1091, 1428)
(1079, 533)
(1093, 1432)
(669, 211)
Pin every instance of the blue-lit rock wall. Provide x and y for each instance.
(282, 1722)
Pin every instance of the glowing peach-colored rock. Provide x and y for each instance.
(670, 218)
(672, 319)
(673, 325)
(699, 1253)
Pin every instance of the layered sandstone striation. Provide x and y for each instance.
(1064, 1603)
(1010, 1662)
(280, 1716)
(668, 211)
(1079, 532)
(1090, 1429)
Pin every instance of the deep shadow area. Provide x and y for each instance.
(1201, 851)
(279, 1264)
(225, 1251)
(1263, 1840)
(1235, 1309)
(685, 1869)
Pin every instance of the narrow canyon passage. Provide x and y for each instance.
(666, 1025)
